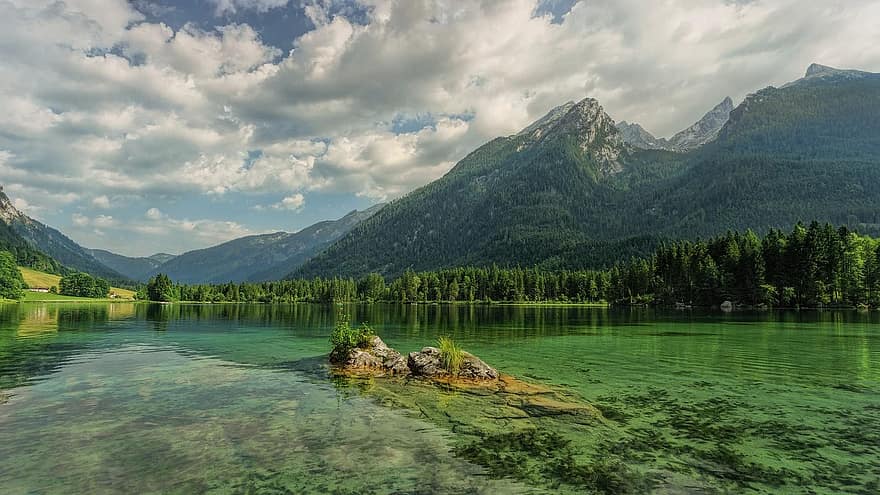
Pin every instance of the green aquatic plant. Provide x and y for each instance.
(451, 355)
(544, 457)
(345, 338)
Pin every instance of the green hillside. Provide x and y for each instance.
(568, 193)
(34, 278)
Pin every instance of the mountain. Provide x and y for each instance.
(808, 150)
(138, 269)
(519, 199)
(703, 131)
(259, 257)
(24, 253)
(569, 192)
(48, 241)
(162, 257)
(636, 135)
(822, 74)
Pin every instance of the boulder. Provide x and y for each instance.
(377, 356)
(427, 363)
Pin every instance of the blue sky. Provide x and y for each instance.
(142, 126)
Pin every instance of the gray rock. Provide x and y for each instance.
(705, 130)
(361, 358)
(377, 356)
(636, 135)
(427, 363)
(475, 369)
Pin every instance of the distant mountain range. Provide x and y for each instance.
(259, 257)
(137, 269)
(253, 258)
(575, 189)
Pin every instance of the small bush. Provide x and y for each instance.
(451, 355)
(345, 338)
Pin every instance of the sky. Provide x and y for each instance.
(144, 126)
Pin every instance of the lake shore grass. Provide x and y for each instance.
(45, 297)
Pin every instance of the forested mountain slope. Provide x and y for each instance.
(521, 199)
(43, 248)
(567, 191)
(809, 150)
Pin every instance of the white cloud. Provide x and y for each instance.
(185, 233)
(23, 206)
(99, 222)
(102, 202)
(293, 203)
(80, 220)
(231, 6)
(158, 230)
(154, 214)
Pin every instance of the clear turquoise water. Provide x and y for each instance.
(128, 398)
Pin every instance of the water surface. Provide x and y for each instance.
(123, 398)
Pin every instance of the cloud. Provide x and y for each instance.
(231, 6)
(102, 202)
(157, 230)
(154, 214)
(153, 8)
(99, 103)
(23, 206)
(185, 233)
(80, 220)
(293, 203)
(100, 221)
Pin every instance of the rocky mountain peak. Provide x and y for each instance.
(818, 69)
(592, 129)
(8, 212)
(636, 135)
(817, 73)
(537, 128)
(704, 130)
(595, 133)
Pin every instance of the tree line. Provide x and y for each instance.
(809, 266)
(83, 285)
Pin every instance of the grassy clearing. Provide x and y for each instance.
(34, 278)
(46, 297)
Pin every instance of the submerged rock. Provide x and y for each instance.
(377, 356)
(427, 363)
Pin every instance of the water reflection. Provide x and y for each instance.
(742, 401)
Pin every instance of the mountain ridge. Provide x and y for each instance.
(53, 243)
(548, 197)
(261, 257)
(694, 136)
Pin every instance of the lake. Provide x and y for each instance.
(136, 398)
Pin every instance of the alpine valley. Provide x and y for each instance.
(575, 189)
